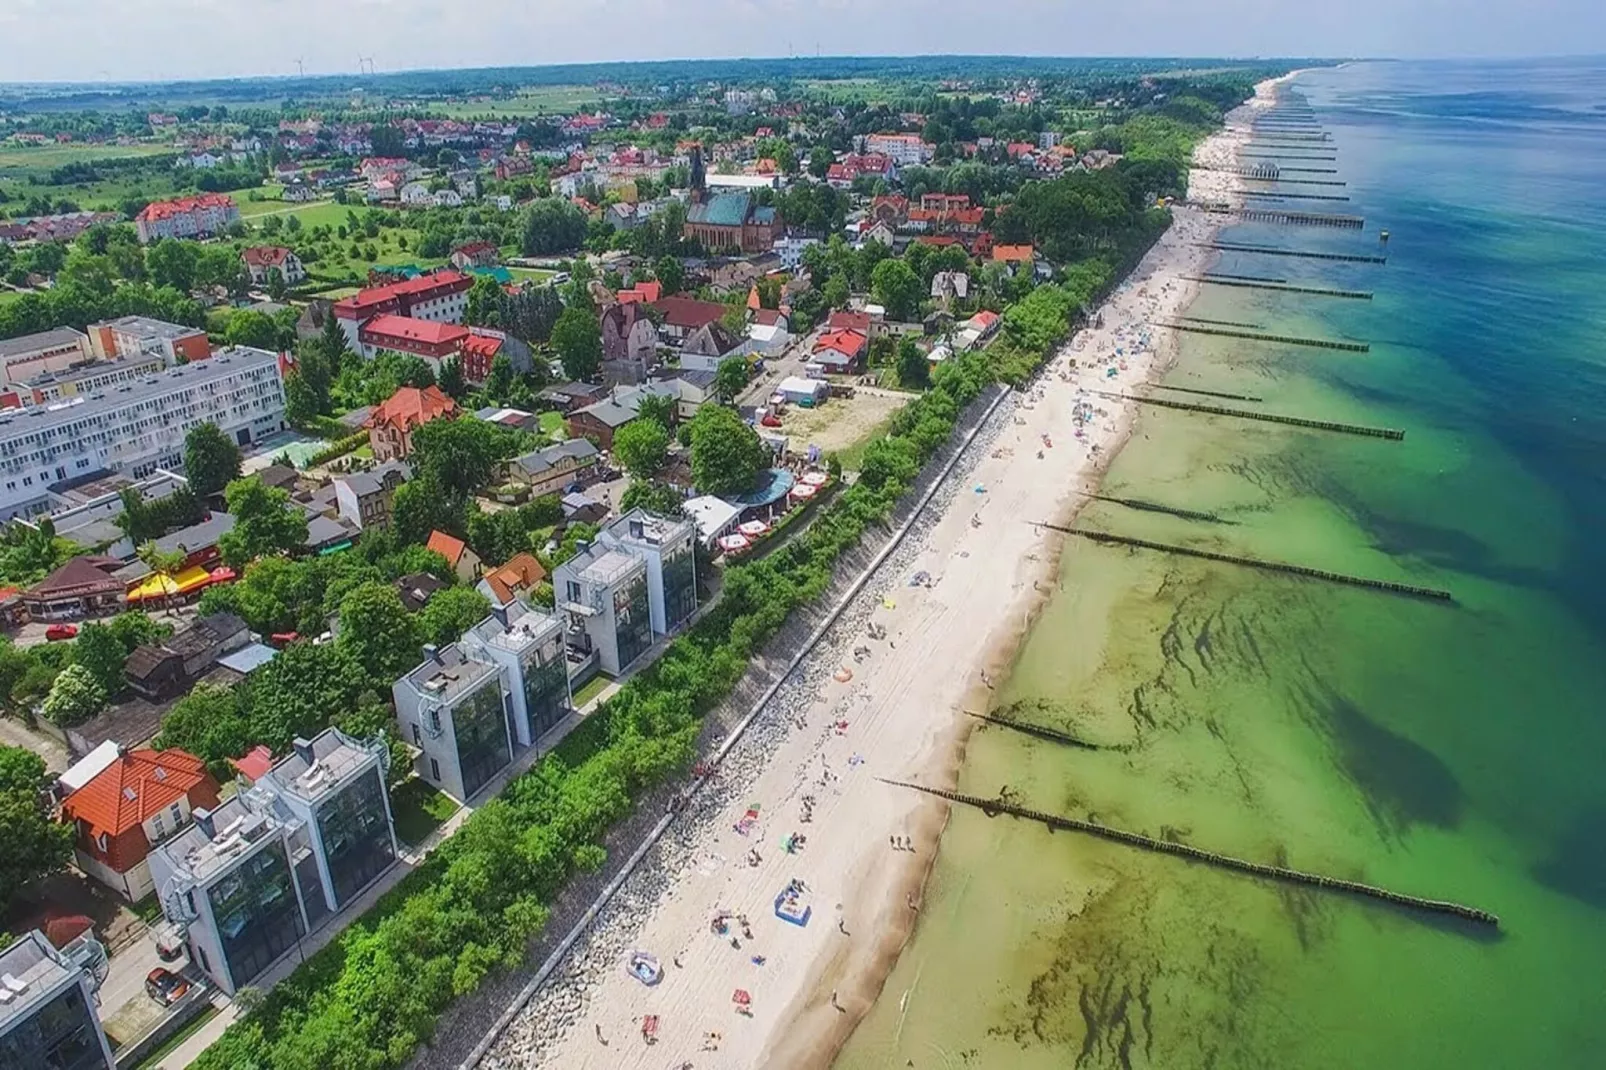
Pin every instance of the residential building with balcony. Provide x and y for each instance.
(528, 646)
(456, 709)
(85, 377)
(638, 580)
(35, 354)
(246, 881)
(136, 427)
(47, 1010)
(263, 260)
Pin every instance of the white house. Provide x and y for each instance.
(448, 198)
(768, 340)
(417, 195)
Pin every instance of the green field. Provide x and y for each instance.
(45, 157)
(540, 100)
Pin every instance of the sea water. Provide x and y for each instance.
(1447, 751)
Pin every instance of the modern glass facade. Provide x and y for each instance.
(632, 620)
(256, 912)
(61, 1035)
(546, 685)
(481, 730)
(680, 586)
(356, 836)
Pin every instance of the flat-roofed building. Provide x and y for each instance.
(47, 1010)
(456, 709)
(129, 337)
(35, 354)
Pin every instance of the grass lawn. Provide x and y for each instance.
(535, 100)
(591, 690)
(46, 157)
(8, 296)
(149, 909)
(537, 274)
(851, 457)
(552, 422)
(418, 809)
(167, 1046)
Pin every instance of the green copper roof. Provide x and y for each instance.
(721, 210)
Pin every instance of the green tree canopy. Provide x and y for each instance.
(897, 288)
(731, 378)
(265, 523)
(377, 632)
(552, 225)
(32, 843)
(450, 613)
(642, 446)
(211, 459)
(726, 454)
(670, 273)
(914, 371)
(74, 698)
(577, 336)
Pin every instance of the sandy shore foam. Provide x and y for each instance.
(940, 620)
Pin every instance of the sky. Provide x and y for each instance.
(96, 40)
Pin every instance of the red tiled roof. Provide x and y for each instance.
(269, 256)
(1012, 252)
(405, 328)
(422, 288)
(850, 343)
(133, 788)
(688, 312)
(984, 319)
(410, 406)
(849, 321)
(484, 345)
(767, 317)
(184, 205)
(447, 546)
(256, 762)
(521, 573)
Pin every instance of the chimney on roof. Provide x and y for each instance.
(203, 821)
(432, 653)
(303, 748)
(500, 613)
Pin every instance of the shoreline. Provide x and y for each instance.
(963, 593)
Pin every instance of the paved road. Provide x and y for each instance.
(17, 734)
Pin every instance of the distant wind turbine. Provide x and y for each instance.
(301, 71)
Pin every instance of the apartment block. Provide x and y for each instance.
(85, 377)
(246, 881)
(638, 580)
(47, 1010)
(528, 646)
(439, 298)
(136, 427)
(186, 217)
(48, 351)
(457, 709)
(130, 337)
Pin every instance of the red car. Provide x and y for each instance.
(57, 632)
(165, 986)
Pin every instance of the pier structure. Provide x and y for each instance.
(1248, 282)
(1266, 417)
(1271, 250)
(1259, 336)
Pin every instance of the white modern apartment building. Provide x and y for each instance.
(136, 427)
(245, 882)
(638, 580)
(186, 217)
(905, 150)
(47, 1010)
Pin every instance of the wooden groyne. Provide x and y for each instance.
(1285, 339)
(1281, 181)
(1391, 587)
(1225, 323)
(1037, 730)
(1211, 276)
(1143, 506)
(1272, 250)
(1279, 215)
(1308, 170)
(1288, 288)
(1281, 196)
(1209, 393)
(994, 807)
(1268, 417)
(1329, 158)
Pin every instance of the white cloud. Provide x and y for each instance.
(67, 40)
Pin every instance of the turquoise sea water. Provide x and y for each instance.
(1447, 751)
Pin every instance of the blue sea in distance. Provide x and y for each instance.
(1454, 752)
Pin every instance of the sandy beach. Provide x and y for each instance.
(742, 986)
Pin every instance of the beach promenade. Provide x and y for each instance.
(743, 986)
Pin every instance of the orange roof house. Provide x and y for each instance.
(1012, 254)
(464, 562)
(391, 424)
(519, 576)
(140, 799)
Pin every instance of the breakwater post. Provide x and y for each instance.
(1037, 730)
(1209, 393)
(1269, 417)
(994, 807)
(1271, 250)
(1155, 507)
(1250, 283)
(1279, 215)
(1255, 562)
(1285, 339)
(1281, 196)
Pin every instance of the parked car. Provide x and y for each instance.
(58, 632)
(165, 986)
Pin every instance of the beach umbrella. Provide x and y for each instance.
(754, 527)
(804, 490)
(734, 543)
(815, 479)
(742, 998)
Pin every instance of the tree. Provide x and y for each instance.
(578, 339)
(914, 371)
(301, 690)
(726, 454)
(32, 844)
(499, 382)
(662, 409)
(102, 654)
(450, 613)
(484, 303)
(642, 446)
(658, 498)
(276, 287)
(451, 379)
(164, 564)
(378, 633)
(552, 225)
(300, 400)
(820, 161)
(459, 456)
(731, 378)
(264, 523)
(249, 328)
(209, 722)
(332, 340)
(74, 698)
(172, 263)
(897, 288)
(670, 273)
(211, 459)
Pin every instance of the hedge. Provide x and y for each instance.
(368, 999)
(338, 448)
